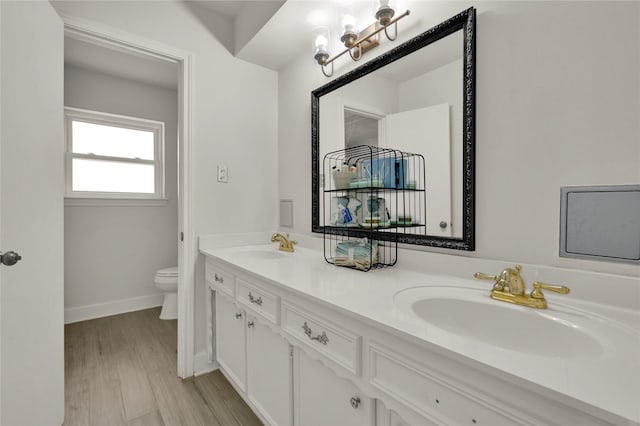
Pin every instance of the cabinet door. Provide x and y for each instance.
(269, 369)
(386, 417)
(321, 398)
(230, 340)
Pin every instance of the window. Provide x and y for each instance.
(113, 157)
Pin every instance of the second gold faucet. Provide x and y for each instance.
(285, 243)
(509, 287)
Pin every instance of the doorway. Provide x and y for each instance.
(107, 42)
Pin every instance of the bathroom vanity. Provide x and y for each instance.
(306, 343)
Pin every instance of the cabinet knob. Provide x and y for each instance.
(250, 324)
(238, 315)
(355, 402)
(218, 278)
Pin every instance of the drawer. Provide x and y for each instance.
(219, 277)
(336, 343)
(262, 302)
(430, 396)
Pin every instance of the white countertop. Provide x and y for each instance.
(609, 381)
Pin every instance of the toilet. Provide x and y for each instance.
(167, 281)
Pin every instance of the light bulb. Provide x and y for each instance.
(348, 23)
(321, 42)
(383, 3)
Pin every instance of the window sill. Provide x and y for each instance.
(115, 202)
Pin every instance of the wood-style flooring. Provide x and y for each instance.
(121, 370)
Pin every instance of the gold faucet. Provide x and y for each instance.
(509, 287)
(285, 243)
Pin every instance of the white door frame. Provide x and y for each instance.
(116, 39)
(0, 209)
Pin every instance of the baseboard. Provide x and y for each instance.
(99, 310)
(201, 364)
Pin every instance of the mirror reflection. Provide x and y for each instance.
(415, 105)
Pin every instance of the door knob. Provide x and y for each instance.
(10, 258)
(443, 224)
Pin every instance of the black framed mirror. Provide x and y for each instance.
(434, 71)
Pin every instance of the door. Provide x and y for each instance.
(427, 131)
(31, 216)
(269, 373)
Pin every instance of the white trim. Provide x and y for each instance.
(99, 310)
(114, 202)
(1, 142)
(187, 250)
(108, 36)
(202, 365)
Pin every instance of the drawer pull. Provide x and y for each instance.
(218, 278)
(257, 301)
(238, 315)
(355, 402)
(251, 324)
(322, 338)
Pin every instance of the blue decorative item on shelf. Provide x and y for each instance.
(391, 171)
(345, 211)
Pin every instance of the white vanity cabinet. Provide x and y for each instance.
(303, 362)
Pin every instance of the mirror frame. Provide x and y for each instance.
(464, 21)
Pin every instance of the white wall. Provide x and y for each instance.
(235, 122)
(112, 252)
(557, 104)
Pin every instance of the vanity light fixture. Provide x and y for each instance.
(356, 43)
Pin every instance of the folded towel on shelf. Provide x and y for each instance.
(360, 254)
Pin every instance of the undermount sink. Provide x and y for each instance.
(559, 331)
(268, 253)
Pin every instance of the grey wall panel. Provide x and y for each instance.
(601, 222)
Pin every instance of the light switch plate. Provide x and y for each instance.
(223, 173)
(286, 213)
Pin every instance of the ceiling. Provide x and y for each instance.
(228, 9)
(269, 33)
(249, 16)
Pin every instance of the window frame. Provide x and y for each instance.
(113, 120)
